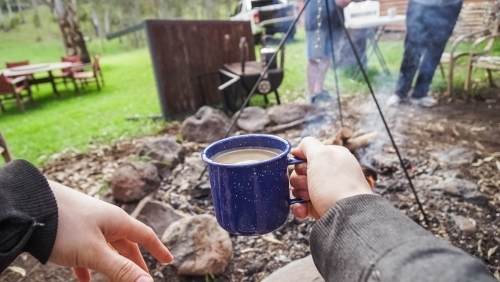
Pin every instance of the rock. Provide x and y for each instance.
(476, 198)
(455, 156)
(133, 181)
(466, 225)
(302, 270)
(206, 126)
(164, 149)
(201, 191)
(158, 215)
(253, 119)
(462, 189)
(255, 267)
(199, 245)
(286, 113)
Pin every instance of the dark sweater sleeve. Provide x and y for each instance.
(28, 213)
(364, 238)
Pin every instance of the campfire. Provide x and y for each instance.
(353, 140)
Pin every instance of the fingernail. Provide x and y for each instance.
(144, 279)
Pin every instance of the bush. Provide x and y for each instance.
(14, 22)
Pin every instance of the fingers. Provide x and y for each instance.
(82, 274)
(303, 194)
(298, 181)
(143, 235)
(119, 268)
(131, 251)
(307, 147)
(300, 210)
(301, 169)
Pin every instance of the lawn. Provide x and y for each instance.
(52, 124)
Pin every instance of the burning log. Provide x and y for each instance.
(361, 141)
(342, 136)
(353, 140)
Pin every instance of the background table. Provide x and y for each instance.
(38, 68)
(379, 24)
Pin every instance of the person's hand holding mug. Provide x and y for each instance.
(93, 234)
(331, 174)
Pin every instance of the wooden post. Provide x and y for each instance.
(4, 149)
(20, 11)
(4, 22)
(34, 5)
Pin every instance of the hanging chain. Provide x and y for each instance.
(319, 47)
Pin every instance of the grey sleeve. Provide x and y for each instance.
(364, 238)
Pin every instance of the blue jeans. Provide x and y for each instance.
(427, 31)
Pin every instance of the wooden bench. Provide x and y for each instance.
(4, 149)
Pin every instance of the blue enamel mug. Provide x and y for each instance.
(251, 198)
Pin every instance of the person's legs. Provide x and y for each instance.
(316, 72)
(319, 59)
(413, 48)
(440, 20)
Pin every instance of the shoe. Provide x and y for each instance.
(426, 102)
(322, 96)
(393, 101)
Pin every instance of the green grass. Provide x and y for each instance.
(73, 121)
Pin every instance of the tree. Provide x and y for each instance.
(20, 10)
(4, 22)
(67, 18)
(34, 5)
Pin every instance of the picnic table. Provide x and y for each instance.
(38, 68)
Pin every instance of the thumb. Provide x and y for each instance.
(119, 268)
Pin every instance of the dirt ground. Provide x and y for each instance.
(426, 138)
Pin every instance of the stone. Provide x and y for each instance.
(466, 225)
(201, 191)
(253, 119)
(133, 181)
(164, 149)
(476, 198)
(199, 245)
(455, 156)
(302, 270)
(286, 113)
(462, 189)
(158, 215)
(206, 126)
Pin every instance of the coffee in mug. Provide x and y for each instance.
(245, 156)
(249, 181)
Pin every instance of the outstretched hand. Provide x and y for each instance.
(331, 174)
(93, 234)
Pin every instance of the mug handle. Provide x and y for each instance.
(293, 161)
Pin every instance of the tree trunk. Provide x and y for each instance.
(9, 10)
(20, 11)
(106, 21)
(70, 28)
(4, 22)
(95, 23)
(34, 5)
